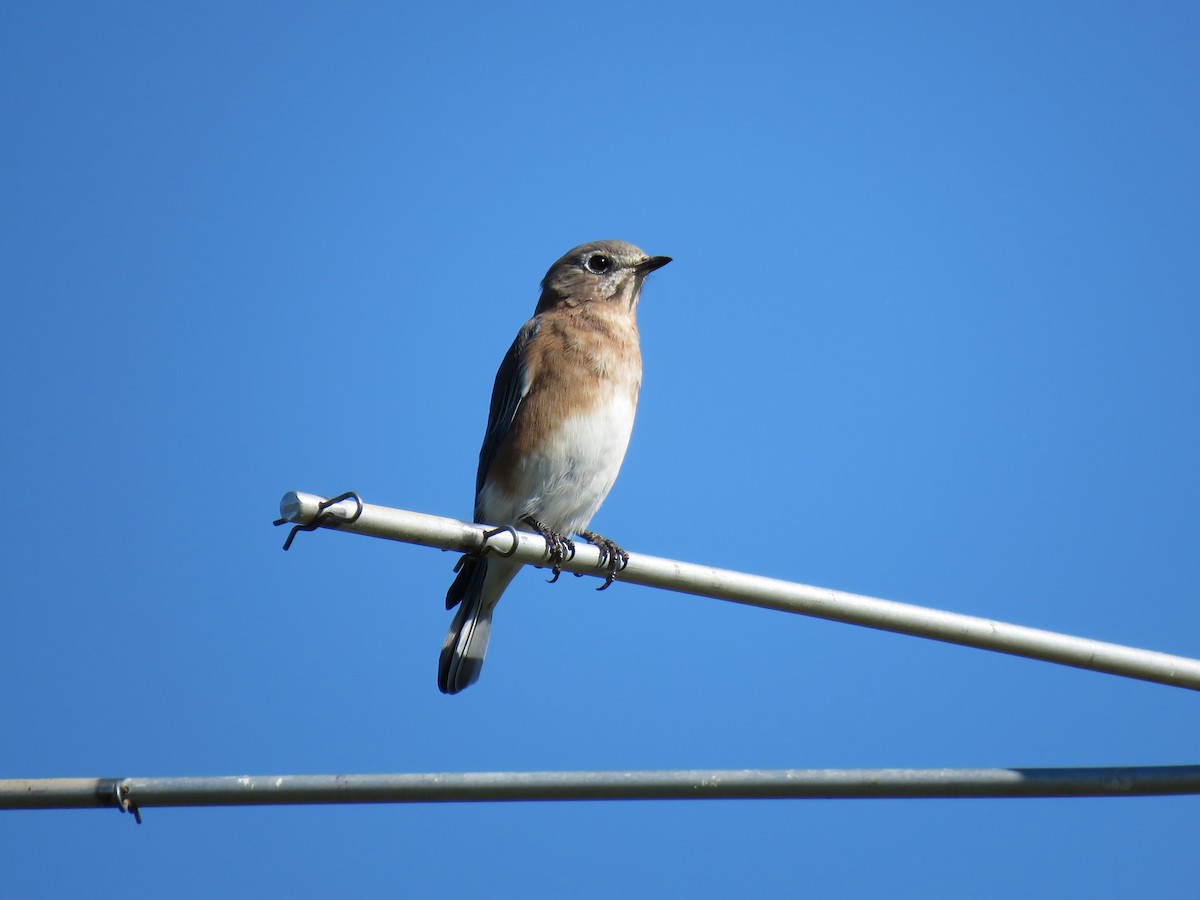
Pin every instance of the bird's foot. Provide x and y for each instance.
(612, 557)
(559, 548)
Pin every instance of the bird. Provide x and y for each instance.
(559, 423)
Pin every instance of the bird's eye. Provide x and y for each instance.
(598, 263)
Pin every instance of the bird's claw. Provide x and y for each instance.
(559, 548)
(612, 557)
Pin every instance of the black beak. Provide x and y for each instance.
(649, 265)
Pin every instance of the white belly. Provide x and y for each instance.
(564, 485)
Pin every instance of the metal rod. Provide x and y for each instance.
(755, 590)
(699, 784)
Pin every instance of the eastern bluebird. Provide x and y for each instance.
(561, 415)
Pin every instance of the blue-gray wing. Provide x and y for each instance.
(509, 390)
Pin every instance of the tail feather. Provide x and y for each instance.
(479, 584)
(468, 568)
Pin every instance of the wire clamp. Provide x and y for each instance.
(493, 532)
(125, 802)
(324, 517)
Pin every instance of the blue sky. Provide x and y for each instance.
(929, 335)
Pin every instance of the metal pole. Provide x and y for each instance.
(769, 593)
(133, 794)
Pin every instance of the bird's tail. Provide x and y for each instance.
(479, 584)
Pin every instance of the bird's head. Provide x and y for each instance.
(602, 271)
